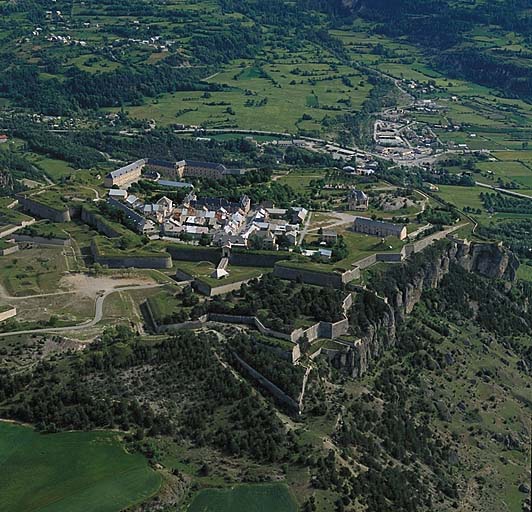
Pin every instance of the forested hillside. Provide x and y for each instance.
(446, 31)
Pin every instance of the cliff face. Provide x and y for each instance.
(490, 260)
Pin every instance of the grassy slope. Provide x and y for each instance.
(90, 471)
(245, 498)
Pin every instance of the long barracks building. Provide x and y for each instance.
(193, 168)
(125, 175)
(379, 228)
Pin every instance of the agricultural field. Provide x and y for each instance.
(461, 197)
(285, 96)
(509, 169)
(74, 471)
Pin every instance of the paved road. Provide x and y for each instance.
(503, 190)
(98, 313)
(304, 231)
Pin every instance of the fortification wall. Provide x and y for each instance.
(292, 355)
(162, 261)
(254, 321)
(192, 324)
(183, 276)
(225, 288)
(347, 303)
(41, 240)
(405, 252)
(9, 250)
(425, 242)
(350, 275)
(270, 386)
(252, 259)
(289, 355)
(10, 313)
(102, 227)
(308, 276)
(366, 262)
(333, 330)
(213, 291)
(134, 262)
(311, 333)
(390, 257)
(212, 254)
(46, 212)
(14, 229)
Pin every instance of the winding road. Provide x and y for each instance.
(98, 313)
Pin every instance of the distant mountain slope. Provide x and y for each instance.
(448, 31)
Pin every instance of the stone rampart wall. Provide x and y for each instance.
(366, 262)
(308, 276)
(42, 240)
(102, 227)
(211, 254)
(390, 257)
(9, 250)
(251, 259)
(267, 384)
(162, 261)
(10, 313)
(333, 330)
(14, 229)
(46, 212)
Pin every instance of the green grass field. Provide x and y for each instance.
(524, 272)
(508, 171)
(163, 304)
(203, 269)
(245, 498)
(72, 471)
(273, 97)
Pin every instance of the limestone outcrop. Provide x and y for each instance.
(411, 279)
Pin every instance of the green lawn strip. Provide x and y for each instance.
(44, 230)
(236, 274)
(4, 244)
(115, 248)
(163, 304)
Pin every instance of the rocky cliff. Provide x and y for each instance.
(400, 287)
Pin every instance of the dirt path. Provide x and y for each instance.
(98, 314)
(343, 218)
(92, 286)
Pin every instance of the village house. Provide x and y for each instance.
(329, 236)
(357, 200)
